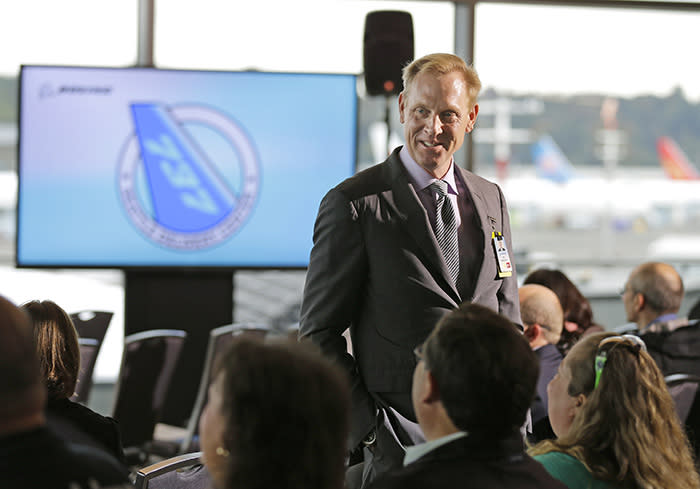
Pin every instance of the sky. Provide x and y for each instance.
(518, 48)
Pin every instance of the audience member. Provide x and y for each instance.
(578, 315)
(59, 355)
(615, 420)
(652, 297)
(694, 312)
(277, 417)
(472, 387)
(543, 320)
(31, 455)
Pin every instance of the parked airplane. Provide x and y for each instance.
(674, 161)
(556, 194)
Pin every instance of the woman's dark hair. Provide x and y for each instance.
(576, 307)
(286, 411)
(57, 346)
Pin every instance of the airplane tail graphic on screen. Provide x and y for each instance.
(187, 193)
(550, 161)
(674, 161)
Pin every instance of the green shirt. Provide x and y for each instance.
(571, 472)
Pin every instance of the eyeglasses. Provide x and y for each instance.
(601, 357)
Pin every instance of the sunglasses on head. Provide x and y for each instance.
(601, 356)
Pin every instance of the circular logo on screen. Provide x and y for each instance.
(188, 176)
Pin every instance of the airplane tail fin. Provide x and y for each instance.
(674, 161)
(550, 161)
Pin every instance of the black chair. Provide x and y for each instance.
(147, 368)
(219, 339)
(89, 347)
(182, 472)
(684, 391)
(92, 324)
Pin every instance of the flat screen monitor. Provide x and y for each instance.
(152, 168)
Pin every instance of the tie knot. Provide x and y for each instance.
(439, 186)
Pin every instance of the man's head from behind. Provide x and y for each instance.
(478, 371)
(652, 289)
(22, 392)
(541, 314)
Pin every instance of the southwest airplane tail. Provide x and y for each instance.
(674, 161)
(550, 161)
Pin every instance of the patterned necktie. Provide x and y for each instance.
(446, 228)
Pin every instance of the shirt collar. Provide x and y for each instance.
(662, 319)
(415, 452)
(422, 178)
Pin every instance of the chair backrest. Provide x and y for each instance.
(89, 347)
(219, 339)
(147, 367)
(92, 324)
(684, 391)
(181, 472)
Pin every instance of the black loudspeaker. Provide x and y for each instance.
(388, 47)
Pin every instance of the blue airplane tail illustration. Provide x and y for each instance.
(186, 192)
(550, 161)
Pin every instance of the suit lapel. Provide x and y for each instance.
(415, 220)
(481, 210)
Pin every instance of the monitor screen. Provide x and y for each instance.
(141, 167)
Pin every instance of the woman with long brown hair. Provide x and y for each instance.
(59, 354)
(615, 420)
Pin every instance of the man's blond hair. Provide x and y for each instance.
(441, 64)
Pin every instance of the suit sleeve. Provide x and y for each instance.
(333, 295)
(508, 302)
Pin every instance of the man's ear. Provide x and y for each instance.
(639, 300)
(472, 118)
(402, 106)
(531, 331)
(432, 393)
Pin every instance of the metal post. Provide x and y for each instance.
(145, 41)
(464, 47)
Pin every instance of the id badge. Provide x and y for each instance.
(505, 267)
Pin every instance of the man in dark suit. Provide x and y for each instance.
(378, 267)
(543, 322)
(472, 387)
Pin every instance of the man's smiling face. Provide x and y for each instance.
(436, 113)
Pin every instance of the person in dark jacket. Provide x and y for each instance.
(472, 387)
(652, 297)
(32, 456)
(56, 342)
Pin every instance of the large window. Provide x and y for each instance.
(82, 32)
(308, 35)
(616, 92)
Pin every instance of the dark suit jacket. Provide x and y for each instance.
(79, 424)
(550, 358)
(674, 345)
(39, 459)
(377, 269)
(473, 464)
